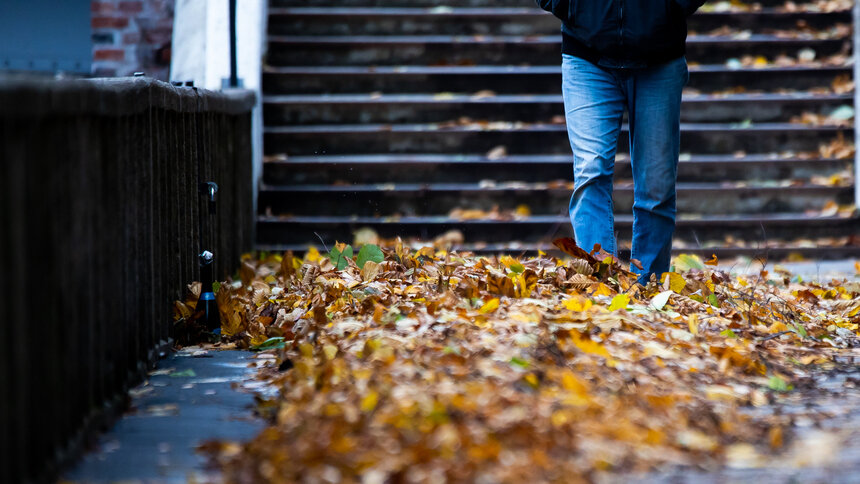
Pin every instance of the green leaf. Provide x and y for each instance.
(338, 258)
(216, 286)
(685, 262)
(369, 252)
(800, 330)
(842, 113)
(712, 298)
(269, 344)
(728, 333)
(777, 384)
(519, 362)
(451, 350)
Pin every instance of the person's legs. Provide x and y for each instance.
(594, 106)
(654, 105)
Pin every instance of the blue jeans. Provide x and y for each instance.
(594, 102)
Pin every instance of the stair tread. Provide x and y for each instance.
(720, 251)
(385, 158)
(528, 127)
(527, 98)
(365, 40)
(337, 11)
(623, 219)
(513, 69)
(526, 186)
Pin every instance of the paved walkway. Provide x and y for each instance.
(813, 270)
(188, 400)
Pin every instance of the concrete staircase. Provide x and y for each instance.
(417, 117)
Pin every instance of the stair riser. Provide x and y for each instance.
(467, 53)
(346, 24)
(404, 3)
(540, 202)
(274, 83)
(440, 111)
(412, 25)
(276, 173)
(527, 142)
(287, 233)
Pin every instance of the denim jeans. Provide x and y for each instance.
(594, 102)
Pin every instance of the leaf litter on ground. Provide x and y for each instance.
(427, 365)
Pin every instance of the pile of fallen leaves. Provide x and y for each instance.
(396, 365)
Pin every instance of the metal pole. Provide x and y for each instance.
(856, 20)
(234, 78)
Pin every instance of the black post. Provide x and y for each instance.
(234, 78)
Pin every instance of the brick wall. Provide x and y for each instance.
(132, 36)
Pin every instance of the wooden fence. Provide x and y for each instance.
(100, 226)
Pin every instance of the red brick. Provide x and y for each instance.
(109, 22)
(109, 55)
(103, 7)
(131, 7)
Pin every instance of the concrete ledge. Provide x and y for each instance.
(35, 98)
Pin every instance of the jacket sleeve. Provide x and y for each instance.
(559, 8)
(688, 6)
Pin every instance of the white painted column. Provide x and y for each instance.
(201, 53)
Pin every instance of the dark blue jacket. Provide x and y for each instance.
(629, 31)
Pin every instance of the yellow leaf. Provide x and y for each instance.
(602, 290)
(589, 346)
(577, 303)
(512, 264)
(489, 306)
(713, 260)
(526, 283)
(330, 351)
(532, 380)
(857, 267)
(259, 339)
(693, 323)
(571, 383)
(619, 302)
(675, 282)
(368, 403)
(312, 255)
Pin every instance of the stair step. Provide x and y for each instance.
(530, 138)
(749, 227)
(399, 108)
(503, 20)
(507, 49)
(772, 253)
(533, 79)
(685, 220)
(441, 198)
(395, 168)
